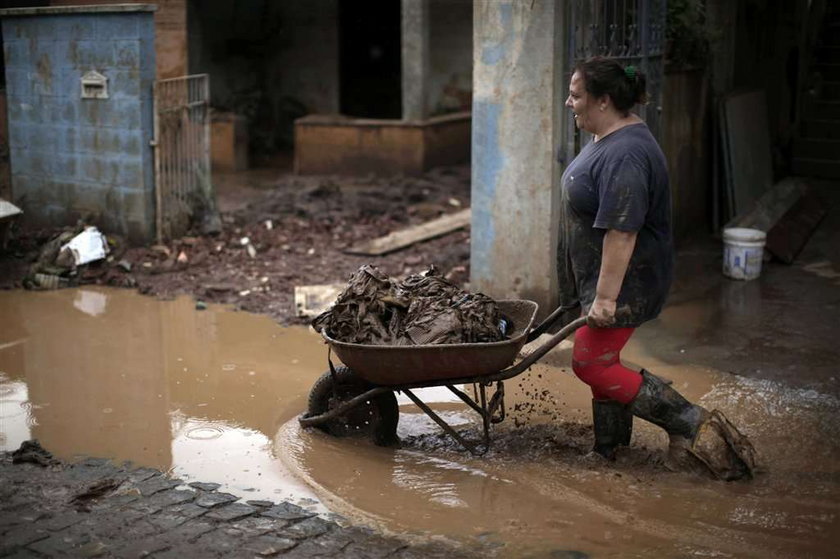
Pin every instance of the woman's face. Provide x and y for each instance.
(583, 105)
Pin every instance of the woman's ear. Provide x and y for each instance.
(604, 102)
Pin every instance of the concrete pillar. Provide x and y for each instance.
(518, 92)
(415, 59)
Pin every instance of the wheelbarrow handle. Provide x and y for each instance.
(549, 321)
(564, 333)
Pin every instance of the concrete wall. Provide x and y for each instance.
(450, 56)
(268, 61)
(70, 156)
(304, 66)
(327, 144)
(170, 32)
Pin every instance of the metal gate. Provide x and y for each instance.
(632, 31)
(183, 188)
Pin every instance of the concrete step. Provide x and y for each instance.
(821, 168)
(822, 110)
(821, 129)
(813, 148)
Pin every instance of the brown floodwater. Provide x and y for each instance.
(213, 396)
(111, 373)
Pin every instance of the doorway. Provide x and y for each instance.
(370, 59)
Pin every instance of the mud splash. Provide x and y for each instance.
(111, 373)
(539, 493)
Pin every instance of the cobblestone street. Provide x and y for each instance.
(96, 509)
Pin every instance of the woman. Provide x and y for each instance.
(618, 254)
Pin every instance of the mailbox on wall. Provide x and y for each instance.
(94, 86)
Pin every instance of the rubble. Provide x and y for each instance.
(312, 220)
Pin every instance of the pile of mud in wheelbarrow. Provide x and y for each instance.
(399, 336)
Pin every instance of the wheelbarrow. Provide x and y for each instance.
(359, 398)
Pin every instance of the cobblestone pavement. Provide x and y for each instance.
(96, 509)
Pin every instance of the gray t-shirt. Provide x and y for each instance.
(619, 182)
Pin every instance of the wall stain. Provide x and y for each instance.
(44, 70)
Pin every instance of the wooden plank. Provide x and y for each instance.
(789, 235)
(406, 237)
(772, 205)
(748, 144)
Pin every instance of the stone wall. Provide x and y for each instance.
(73, 157)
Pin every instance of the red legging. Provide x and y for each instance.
(596, 360)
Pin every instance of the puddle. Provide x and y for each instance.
(213, 396)
(115, 374)
(537, 492)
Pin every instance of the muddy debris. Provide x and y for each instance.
(422, 309)
(33, 453)
(296, 228)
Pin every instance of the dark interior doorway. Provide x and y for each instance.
(370, 58)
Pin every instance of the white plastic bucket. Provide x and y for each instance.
(743, 251)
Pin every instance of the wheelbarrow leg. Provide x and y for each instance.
(485, 417)
(446, 427)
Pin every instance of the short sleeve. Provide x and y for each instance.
(623, 196)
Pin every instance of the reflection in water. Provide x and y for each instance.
(538, 491)
(115, 374)
(15, 417)
(213, 396)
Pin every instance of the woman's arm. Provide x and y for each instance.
(615, 256)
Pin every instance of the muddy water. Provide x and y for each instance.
(213, 396)
(112, 373)
(538, 492)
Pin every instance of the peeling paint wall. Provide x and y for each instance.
(518, 96)
(170, 32)
(73, 157)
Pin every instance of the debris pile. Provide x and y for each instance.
(422, 309)
(78, 255)
(282, 231)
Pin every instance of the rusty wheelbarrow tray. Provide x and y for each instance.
(373, 373)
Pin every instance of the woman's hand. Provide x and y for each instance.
(601, 313)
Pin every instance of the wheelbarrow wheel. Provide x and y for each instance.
(376, 418)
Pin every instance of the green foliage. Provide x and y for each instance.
(686, 34)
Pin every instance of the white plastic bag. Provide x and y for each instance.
(87, 246)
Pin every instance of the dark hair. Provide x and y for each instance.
(607, 76)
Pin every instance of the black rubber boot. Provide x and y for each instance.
(613, 423)
(699, 440)
(660, 404)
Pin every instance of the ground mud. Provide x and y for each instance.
(279, 231)
(213, 395)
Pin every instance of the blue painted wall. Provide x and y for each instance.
(72, 157)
